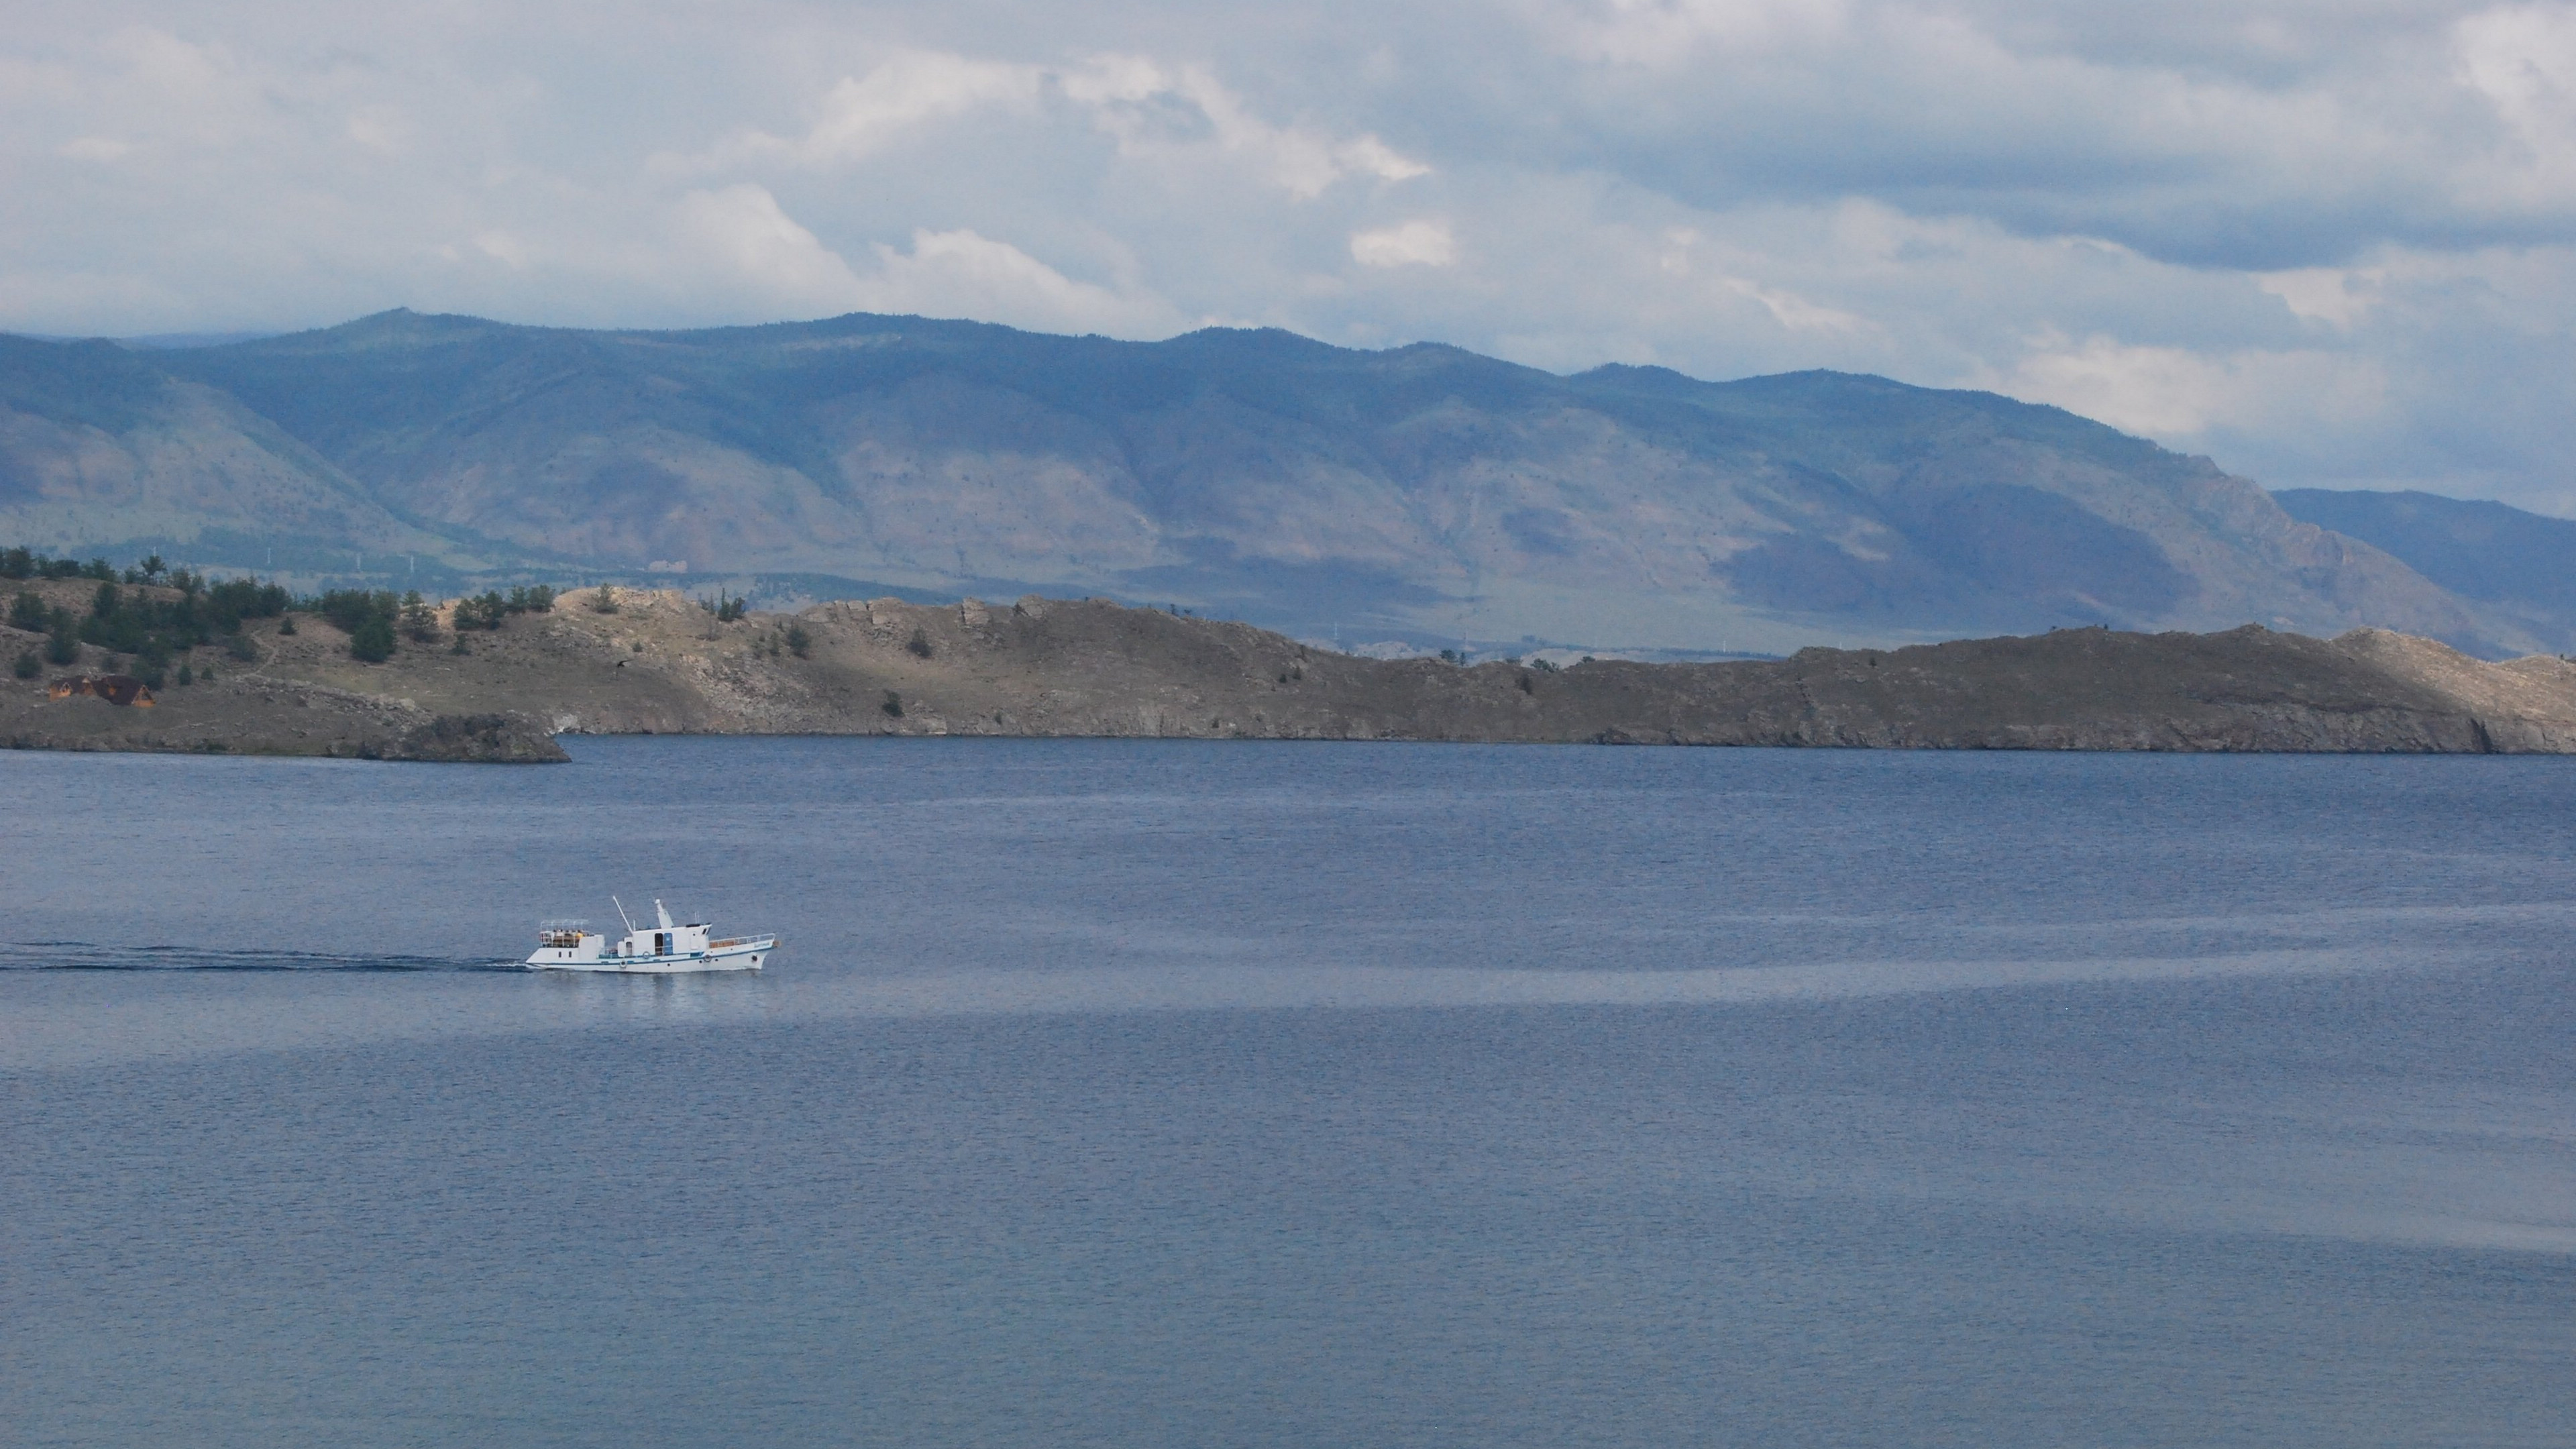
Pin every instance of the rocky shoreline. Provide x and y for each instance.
(657, 662)
(268, 717)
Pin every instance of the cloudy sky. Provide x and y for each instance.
(2328, 242)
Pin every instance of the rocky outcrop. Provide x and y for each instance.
(482, 739)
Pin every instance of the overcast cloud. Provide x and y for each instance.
(2327, 243)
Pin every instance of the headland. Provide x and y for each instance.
(632, 661)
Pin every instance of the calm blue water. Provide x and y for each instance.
(1164, 1094)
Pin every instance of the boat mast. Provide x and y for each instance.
(621, 914)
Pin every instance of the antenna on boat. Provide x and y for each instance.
(621, 914)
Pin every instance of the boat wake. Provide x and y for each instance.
(89, 956)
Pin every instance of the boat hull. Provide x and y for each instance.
(742, 956)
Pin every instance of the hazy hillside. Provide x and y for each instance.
(101, 447)
(2517, 564)
(1424, 492)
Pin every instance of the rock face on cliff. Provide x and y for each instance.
(663, 664)
(1425, 491)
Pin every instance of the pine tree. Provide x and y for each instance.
(372, 641)
(419, 620)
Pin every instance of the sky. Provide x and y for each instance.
(2327, 242)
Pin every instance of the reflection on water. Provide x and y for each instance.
(575, 999)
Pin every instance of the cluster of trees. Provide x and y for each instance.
(726, 608)
(488, 609)
(795, 639)
(133, 621)
(62, 645)
(371, 617)
(1463, 659)
(21, 563)
(366, 616)
(138, 621)
(154, 629)
(27, 563)
(123, 621)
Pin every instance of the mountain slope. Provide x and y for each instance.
(101, 447)
(2513, 563)
(1424, 491)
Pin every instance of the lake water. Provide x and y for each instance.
(1178, 1094)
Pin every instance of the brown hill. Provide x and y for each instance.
(663, 664)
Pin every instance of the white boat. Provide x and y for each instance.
(664, 948)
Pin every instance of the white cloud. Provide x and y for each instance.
(1149, 109)
(379, 128)
(1139, 101)
(101, 149)
(2337, 296)
(962, 274)
(2522, 60)
(502, 247)
(1794, 312)
(863, 115)
(742, 230)
(1671, 33)
(1369, 156)
(2177, 394)
(760, 251)
(1411, 244)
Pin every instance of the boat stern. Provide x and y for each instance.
(566, 946)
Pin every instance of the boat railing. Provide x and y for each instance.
(562, 934)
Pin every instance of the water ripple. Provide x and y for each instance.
(93, 956)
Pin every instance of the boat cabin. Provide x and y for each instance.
(665, 939)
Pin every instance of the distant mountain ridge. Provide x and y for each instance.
(1423, 491)
(2509, 562)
